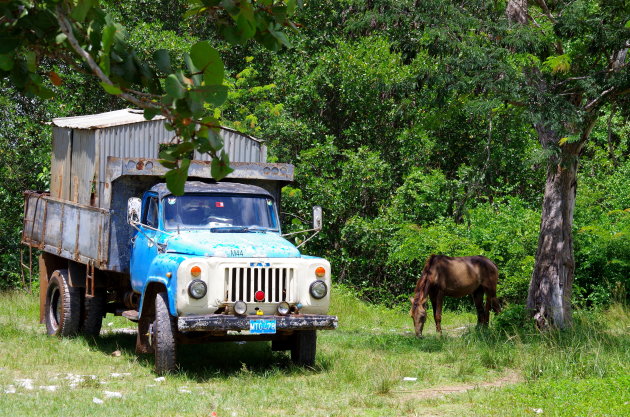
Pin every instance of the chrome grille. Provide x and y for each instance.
(241, 283)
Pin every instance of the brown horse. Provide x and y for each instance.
(455, 277)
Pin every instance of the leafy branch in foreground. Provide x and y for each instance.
(81, 35)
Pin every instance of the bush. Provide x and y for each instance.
(513, 316)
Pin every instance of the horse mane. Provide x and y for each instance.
(422, 286)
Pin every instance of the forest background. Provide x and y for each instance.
(406, 153)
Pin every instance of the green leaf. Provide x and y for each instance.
(184, 148)
(150, 113)
(176, 178)
(191, 67)
(280, 36)
(174, 88)
(60, 38)
(193, 11)
(81, 10)
(107, 39)
(557, 63)
(168, 164)
(111, 89)
(220, 167)
(247, 26)
(207, 60)
(291, 7)
(31, 61)
(163, 61)
(6, 62)
(627, 26)
(216, 142)
(214, 94)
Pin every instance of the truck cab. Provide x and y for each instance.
(216, 258)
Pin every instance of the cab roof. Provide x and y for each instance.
(217, 187)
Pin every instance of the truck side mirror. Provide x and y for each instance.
(317, 218)
(134, 205)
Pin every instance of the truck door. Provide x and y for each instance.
(144, 244)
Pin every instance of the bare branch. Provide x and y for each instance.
(66, 28)
(599, 101)
(545, 9)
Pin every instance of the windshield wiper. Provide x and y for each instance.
(229, 229)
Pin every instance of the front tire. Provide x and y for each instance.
(63, 306)
(164, 336)
(304, 347)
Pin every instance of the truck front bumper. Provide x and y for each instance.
(222, 322)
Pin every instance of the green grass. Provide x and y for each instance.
(359, 370)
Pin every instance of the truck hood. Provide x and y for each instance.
(231, 245)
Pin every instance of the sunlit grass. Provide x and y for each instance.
(360, 368)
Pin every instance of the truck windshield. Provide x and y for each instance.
(220, 212)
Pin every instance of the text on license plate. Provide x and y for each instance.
(262, 326)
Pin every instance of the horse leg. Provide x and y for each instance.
(436, 299)
(478, 299)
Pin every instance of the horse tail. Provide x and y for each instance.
(492, 272)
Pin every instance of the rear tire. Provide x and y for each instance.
(164, 336)
(93, 313)
(304, 347)
(63, 306)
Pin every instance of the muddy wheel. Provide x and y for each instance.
(163, 338)
(304, 347)
(63, 306)
(93, 313)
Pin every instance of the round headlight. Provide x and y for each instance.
(319, 289)
(197, 289)
(283, 308)
(240, 308)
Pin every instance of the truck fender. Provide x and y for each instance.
(153, 286)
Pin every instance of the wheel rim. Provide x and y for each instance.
(55, 308)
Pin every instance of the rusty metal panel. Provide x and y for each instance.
(137, 140)
(83, 170)
(70, 230)
(60, 162)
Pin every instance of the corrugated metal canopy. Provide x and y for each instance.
(119, 118)
(103, 120)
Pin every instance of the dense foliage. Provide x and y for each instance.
(403, 122)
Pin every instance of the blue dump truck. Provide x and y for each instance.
(210, 265)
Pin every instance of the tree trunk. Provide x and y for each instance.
(549, 297)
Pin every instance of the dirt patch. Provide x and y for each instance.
(437, 392)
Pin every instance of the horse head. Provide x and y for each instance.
(418, 313)
(419, 301)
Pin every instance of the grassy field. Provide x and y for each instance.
(371, 366)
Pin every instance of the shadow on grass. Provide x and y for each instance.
(201, 362)
(404, 343)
